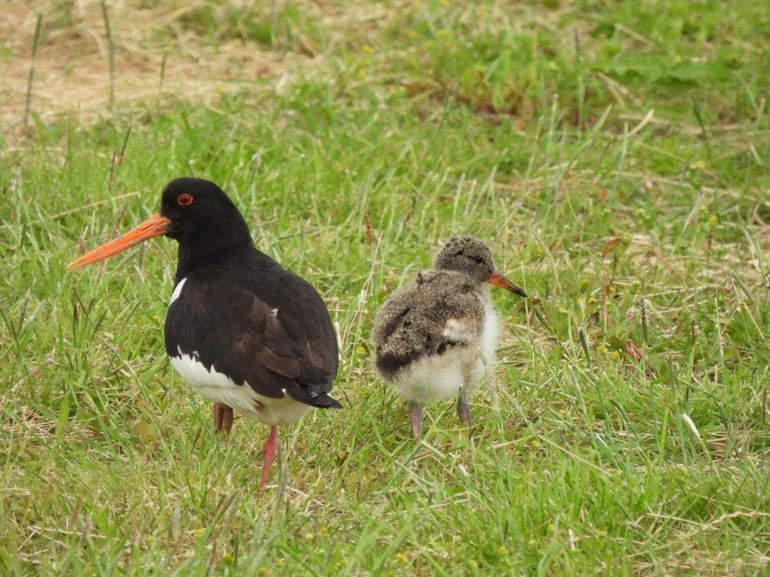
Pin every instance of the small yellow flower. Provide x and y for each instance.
(227, 559)
(401, 558)
(615, 355)
(713, 220)
(324, 531)
(263, 571)
(367, 49)
(280, 562)
(503, 550)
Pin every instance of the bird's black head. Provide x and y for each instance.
(470, 256)
(200, 213)
(194, 212)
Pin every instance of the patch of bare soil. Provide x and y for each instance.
(154, 60)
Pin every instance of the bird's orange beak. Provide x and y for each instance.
(156, 225)
(499, 280)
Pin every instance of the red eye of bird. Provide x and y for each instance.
(184, 199)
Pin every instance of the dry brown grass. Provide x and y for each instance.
(72, 62)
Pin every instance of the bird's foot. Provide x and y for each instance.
(268, 454)
(463, 410)
(223, 417)
(415, 418)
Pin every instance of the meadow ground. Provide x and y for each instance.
(615, 156)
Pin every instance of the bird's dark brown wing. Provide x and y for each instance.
(286, 347)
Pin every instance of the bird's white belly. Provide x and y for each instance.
(440, 377)
(219, 388)
(490, 332)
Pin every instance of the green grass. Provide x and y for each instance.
(525, 124)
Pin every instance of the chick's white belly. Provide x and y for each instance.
(440, 377)
(219, 388)
(490, 332)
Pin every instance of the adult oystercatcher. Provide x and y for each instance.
(240, 329)
(436, 337)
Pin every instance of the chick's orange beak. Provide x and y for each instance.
(499, 280)
(156, 225)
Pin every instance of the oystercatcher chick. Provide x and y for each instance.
(436, 337)
(243, 332)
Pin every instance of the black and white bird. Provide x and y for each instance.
(243, 332)
(435, 338)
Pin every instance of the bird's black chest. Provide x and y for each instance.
(200, 320)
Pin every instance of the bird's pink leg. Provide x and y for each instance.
(415, 418)
(223, 417)
(268, 453)
(463, 410)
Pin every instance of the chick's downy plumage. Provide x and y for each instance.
(426, 318)
(436, 337)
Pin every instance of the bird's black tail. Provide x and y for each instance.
(315, 396)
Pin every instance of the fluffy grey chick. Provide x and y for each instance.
(436, 337)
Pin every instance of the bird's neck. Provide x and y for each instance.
(195, 255)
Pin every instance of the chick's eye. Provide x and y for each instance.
(184, 199)
(477, 259)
